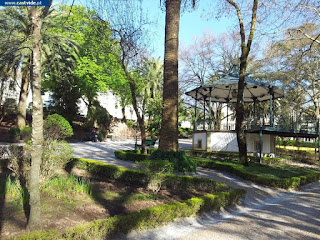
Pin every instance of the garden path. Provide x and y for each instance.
(264, 213)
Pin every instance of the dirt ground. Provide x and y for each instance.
(109, 198)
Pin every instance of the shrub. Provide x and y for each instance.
(61, 186)
(158, 166)
(130, 123)
(55, 155)
(26, 133)
(271, 161)
(14, 131)
(131, 155)
(57, 127)
(181, 163)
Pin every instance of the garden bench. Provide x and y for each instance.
(149, 143)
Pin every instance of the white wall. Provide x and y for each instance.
(224, 141)
(227, 142)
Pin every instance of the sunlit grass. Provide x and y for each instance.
(308, 149)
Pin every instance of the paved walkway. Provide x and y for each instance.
(263, 214)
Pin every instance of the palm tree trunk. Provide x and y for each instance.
(34, 221)
(169, 125)
(22, 105)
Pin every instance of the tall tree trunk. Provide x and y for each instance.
(240, 124)
(34, 221)
(140, 117)
(123, 110)
(1, 96)
(245, 49)
(149, 118)
(22, 105)
(169, 125)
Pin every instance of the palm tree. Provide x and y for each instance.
(27, 44)
(154, 85)
(16, 48)
(169, 125)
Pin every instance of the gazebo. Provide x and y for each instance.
(260, 137)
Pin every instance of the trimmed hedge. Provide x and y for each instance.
(131, 155)
(139, 178)
(226, 156)
(181, 163)
(286, 183)
(295, 143)
(147, 218)
(153, 216)
(142, 220)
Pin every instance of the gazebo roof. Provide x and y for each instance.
(225, 89)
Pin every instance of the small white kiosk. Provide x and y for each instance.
(260, 137)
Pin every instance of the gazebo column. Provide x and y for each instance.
(271, 107)
(204, 113)
(195, 113)
(254, 111)
(228, 114)
(209, 112)
(260, 143)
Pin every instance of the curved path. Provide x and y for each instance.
(264, 213)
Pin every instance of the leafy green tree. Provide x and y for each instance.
(96, 70)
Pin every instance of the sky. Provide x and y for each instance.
(192, 23)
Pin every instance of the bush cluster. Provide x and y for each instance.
(57, 127)
(20, 134)
(131, 155)
(157, 166)
(180, 162)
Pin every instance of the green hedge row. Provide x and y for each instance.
(217, 155)
(144, 219)
(139, 178)
(286, 183)
(147, 218)
(294, 143)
